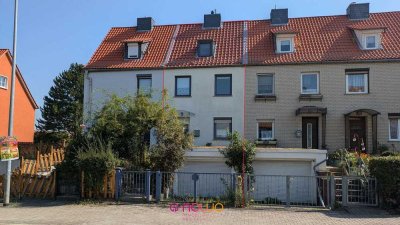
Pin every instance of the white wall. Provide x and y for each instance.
(203, 105)
(100, 85)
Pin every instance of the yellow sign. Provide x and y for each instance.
(8, 148)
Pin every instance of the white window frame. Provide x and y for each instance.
(301, 83)
(280, 40)
(132, 45)
(366, 77)
(6, 82)
(273, 83)
(273, 129)
(398, 130)
(365, 36)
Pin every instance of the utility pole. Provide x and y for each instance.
(11, 112)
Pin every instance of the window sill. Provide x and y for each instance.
(357, 93)
(394, 140)
(310, 97)
(220, 139)
(265, 97)
(272, 142)
(4, 88)
(222, 95)
(182, 96)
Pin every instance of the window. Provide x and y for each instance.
(133, 50)
(222, 126)
(183, 86)
(223, 85)
(357, 83)
(265, 130)
(310, 83)
(394, 129)
(265, 84)
(144, 84)
(284, 45)
(370, 42)
(3, 82)
(205, 48)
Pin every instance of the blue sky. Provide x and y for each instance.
(53, 34)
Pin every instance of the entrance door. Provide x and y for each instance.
(357, 130)
(310, 132)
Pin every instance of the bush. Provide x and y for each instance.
(387, 172)
(96, 159)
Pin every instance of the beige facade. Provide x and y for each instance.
(383, 97)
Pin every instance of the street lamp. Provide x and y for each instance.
(11, 112)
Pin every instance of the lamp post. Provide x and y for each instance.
(11, 112)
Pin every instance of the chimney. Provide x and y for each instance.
(145, 24)
(279, 17)
(358, 11)
(212, 20)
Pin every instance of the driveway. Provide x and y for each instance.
(62, 213)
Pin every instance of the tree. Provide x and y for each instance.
(63, 107)
(128, 122)
(234, 153)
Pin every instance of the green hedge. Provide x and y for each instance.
(387, 172)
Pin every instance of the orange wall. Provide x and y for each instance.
(24, 111)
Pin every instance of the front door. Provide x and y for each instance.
(357, 131)
(310, 132)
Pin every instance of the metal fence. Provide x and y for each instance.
(319, 191)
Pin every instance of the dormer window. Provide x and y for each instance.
(370, 42)
(205, 48)
(284, 43)
(135, 49)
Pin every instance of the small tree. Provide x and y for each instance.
(234, 153)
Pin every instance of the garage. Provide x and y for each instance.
(278, 167)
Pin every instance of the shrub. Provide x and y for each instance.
(96, 159)
(387, 172)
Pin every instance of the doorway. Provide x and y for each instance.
(310, 132)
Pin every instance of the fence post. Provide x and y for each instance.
(118, 183)
(158, 186)
(233, 182)
(148, 177)
(287, 191)
(332, 191)
(195, 178)
(345, 190)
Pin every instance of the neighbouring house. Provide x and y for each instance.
(24, 105)
(320, 82)
(303, 84)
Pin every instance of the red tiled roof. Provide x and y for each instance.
(228, 41)
(324, 39)
(317, 39)
(110, 54)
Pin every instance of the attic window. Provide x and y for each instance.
(371, 41)
(3, 82)
(205, 48)
(284, 42)
(135, 50)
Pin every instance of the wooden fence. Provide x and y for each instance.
(44, 163)
(35, 178)
(107, 191)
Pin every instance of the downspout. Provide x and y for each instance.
(89, 99)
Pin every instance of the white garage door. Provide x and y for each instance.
(293, 168)
(270, 181)
(205, 167)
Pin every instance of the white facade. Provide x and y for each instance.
(203, 106)
(99, 86)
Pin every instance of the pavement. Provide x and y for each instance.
(56, 212)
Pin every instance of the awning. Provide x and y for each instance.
(311, 109)
(368, 111)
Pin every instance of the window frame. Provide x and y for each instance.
(215, 85)
(366, 82)
(215, 127)
(273, 84)
(190, 85)
(212, 48)
(365, 37)
(258, 129)
(144, 77)
(282, 39)
(139, 53)
(398, 129)
(301, 83)
(6, 82)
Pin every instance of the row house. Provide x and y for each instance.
(312, 82)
